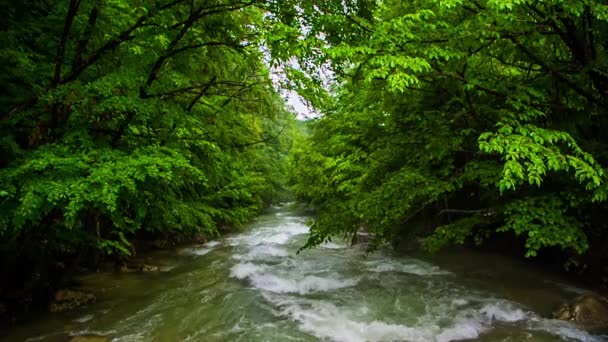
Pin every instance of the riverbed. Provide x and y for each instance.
(252, 286)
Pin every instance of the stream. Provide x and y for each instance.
(251, 286)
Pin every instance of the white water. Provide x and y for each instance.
(337, 314)
(254, 287)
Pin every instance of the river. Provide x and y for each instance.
(252, 286)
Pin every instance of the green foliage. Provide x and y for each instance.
(530, 152)
(457, 233)
(129, 117)
(544, 222)
(480, 117)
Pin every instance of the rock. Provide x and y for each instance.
(589, 310)
(68, 299)
(125, 269)
(149, 268)
(89, 338)
(199, 238)
(160, 244)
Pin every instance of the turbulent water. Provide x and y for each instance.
(253, 287)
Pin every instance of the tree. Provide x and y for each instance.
(128, 118)
(481, 117)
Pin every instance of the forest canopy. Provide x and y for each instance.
(125, 120)
(452, 120)
(462, 120)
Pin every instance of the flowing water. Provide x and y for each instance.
(253, 287)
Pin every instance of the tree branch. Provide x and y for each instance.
(67, 27)
(84, 39)
(265, 140)
(487, 212)
(116, 41)
(573, 85)
(358, 23)
(202, 92)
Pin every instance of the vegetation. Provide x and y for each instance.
(483, 119)
(128, 119)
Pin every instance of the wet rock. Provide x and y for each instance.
(133, 268)
(199, 238)
(589, 310)
(125, 269)
(149, 268)
(69, 299)
(89, 338)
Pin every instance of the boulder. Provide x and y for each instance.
(588, 310)
(69, 299)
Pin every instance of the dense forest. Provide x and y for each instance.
(454, 121)
(464, 122)
(130, 120)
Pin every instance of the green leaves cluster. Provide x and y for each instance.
(129, 118)
(462, 120)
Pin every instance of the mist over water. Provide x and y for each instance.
(253, 287)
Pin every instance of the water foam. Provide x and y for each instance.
(244, 270)
(306, 285)
(464, 329)
(332, 245)
(503, 312)
(211, 244)
(459, 302)
(462, 317)
(411, 266)
(269, 235)
(295, 228)
(324, 320)
(84, 318)
(563, 329)
(262, 252)
(263, 280)
(200, 251)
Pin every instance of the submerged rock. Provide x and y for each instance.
(90, 338)
(589, 310)
(131, 268)
(68, 299)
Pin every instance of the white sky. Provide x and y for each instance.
(298, 105)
